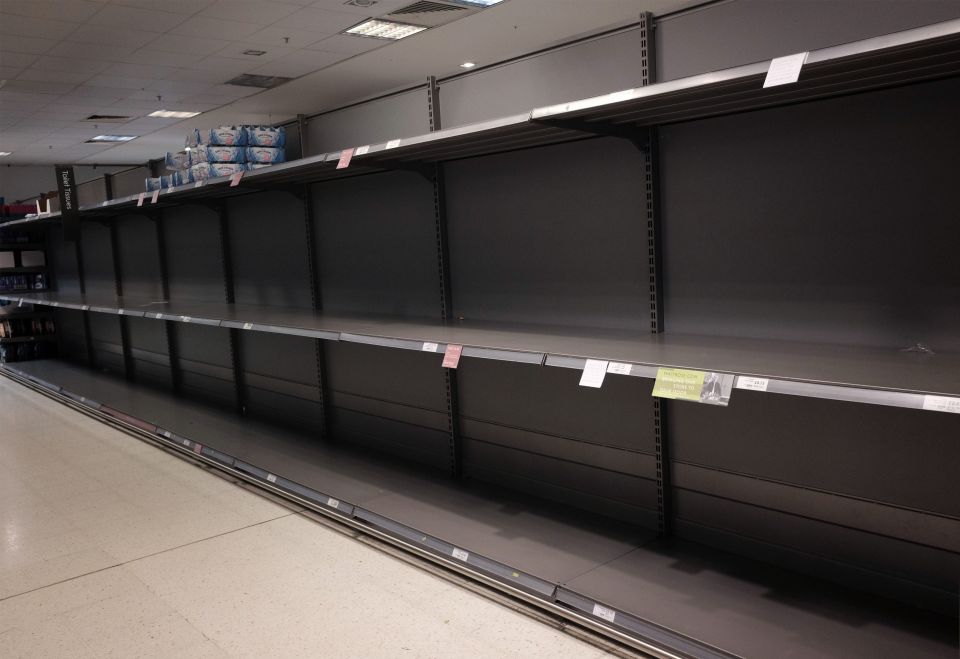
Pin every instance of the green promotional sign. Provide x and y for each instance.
(679, 384)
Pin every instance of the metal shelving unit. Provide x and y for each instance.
(368, 381)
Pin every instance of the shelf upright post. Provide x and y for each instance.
(316, 302)
(81, 281)
(651, 167)
(169, 328)
(228, 293)
(446, 295)
(118, 283)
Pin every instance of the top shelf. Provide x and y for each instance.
(924, 53)
(855, 374)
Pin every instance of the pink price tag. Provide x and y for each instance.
(156, 195)
(235, 179)
(140, 199)
(198, 449)
(345, 156)
(451, 357)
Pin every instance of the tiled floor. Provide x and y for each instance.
(110, 547)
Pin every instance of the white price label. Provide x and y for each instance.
(198, 184)
(119, 312)
(247, 326)
(166, 433)
(593, 373)
(603, 612)
(753, 384)
(271, 478)
(941, 404)
(85, 307)
(158, 316)
(619, 369)
(105, 203)
(460, 554)
(361, 150)
(82, 399)
(185, 319)
(784, 70)
(333, 503)
(429, 347)
(186, 442)
(393, 144)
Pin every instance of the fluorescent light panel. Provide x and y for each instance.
(384, 29)
(112, 138)
(172, 114)
(479, 3)
(6, 153)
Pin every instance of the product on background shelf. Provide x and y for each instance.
(179, 160)
(207, 170)
(224, 136)
(23, 282)
(223, 153)
(265, 154)
(266, 135)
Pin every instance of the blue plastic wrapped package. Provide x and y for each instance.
(224, 136)
(193, 138)
(224, 153)
(179, 160)
(257, 165)
(205, 170)
(167, 181)
(153, 183)
(275, 136)
(265, 154)
(182, 177)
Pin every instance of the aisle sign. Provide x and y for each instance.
(784, 70)
(593, 373)
(451, 357)
(69, 204)
(696, 386)
(345, 157)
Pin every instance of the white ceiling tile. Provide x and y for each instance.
(100, 93)
(135, 18)
(118, 82)
(10, 72)
(261, 12)
(298, 64)
(321, 20)
(54, 111)
(193, 75)
(42, 123)
(345, 43)
(380, 8)
(178, 43)
(25, 26)
(106, 51)
(205, 26)
(7, 97)
(17, 60)
(76, 11)
(148, 71)
(106, 35)
(235, 50)
(282, 36)
(176, 6)
(38, 87)
(15, 44)
(178, 86)
(152, 94)
(42, 75)
(226, 66)
(211, 100)
(78, 64)
(150, 56)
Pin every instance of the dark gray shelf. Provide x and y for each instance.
(681, 596)
(924, 53)
(850, 373)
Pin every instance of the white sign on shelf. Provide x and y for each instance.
(361, 150)
(618, 368)
(603, 612)
(593, 373)
(333, 503)
(166, 433)
(460, 554)
(429, 347)
(941, 404)
(784, 70)
(185, 319)
(271, 478)
(247, 326)
(753, 384)
(393, 144)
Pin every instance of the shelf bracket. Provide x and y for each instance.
(317, 303)
(229, 298)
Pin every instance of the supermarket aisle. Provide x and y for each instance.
(112, 547)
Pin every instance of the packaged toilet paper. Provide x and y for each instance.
(275, 136)
(207, 170)
(224, 136)
(265, 154)
(212, 153)
(179, 160)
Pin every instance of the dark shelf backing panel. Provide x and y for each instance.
(376, 245)
(150, 358)
(192, 238)
(752, 610)
(107, 344)
(554, 235)
(206, 368)
(771, 234)
(545, 435)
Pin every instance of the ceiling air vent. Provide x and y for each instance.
(261, 82)
(108, 118)
(430, 13)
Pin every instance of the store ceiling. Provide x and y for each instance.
(64, 60)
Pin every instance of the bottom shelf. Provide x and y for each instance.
(691, 599)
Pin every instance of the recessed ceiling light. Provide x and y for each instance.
(384, 29)
(361, 3)
(254, 52)
(468, 65)
(5, 153)
(112, 138)
(172, 114)
(479, 3)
